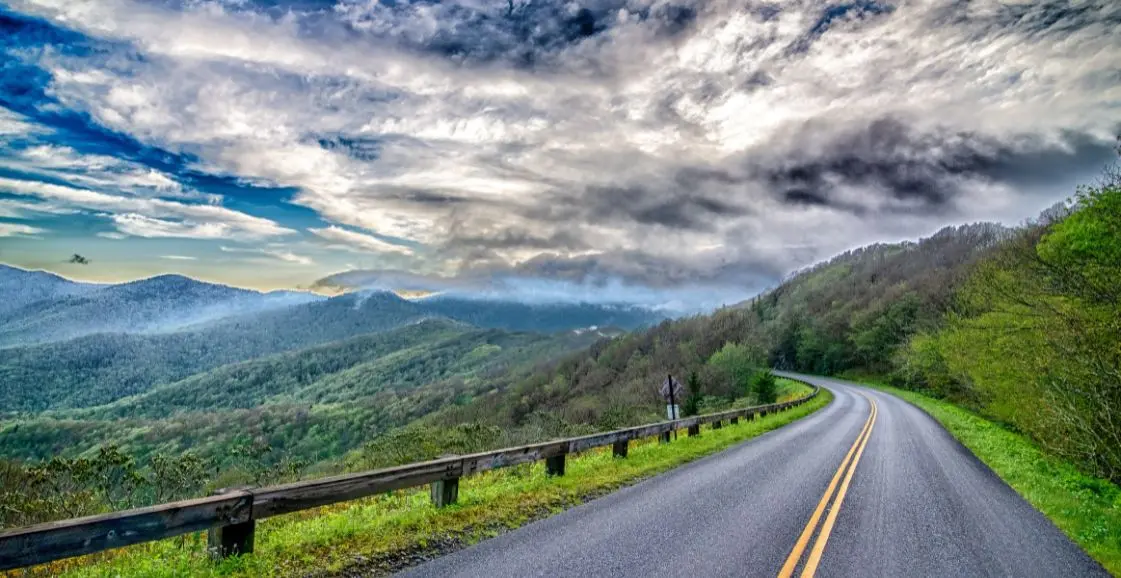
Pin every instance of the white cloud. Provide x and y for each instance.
(100, 172)
(179, 258)
(274, 252)
(15, 229)
(17, 209)
(112, 235)
(360, 242)
(145, 217)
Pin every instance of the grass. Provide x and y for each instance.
(385, 533)
(1085, 508)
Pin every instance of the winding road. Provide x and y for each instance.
(867, 486)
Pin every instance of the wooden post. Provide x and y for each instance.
(445, 492)
(554, 466)
(694, 430)
(716, 425)
(664, 438)
(734, 420)
(231, 539)
(619, 449)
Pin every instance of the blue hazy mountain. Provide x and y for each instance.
(49, 308)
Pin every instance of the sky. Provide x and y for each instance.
(693, 150)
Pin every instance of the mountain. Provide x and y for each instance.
(157, 304)
(99, 368)
(312, 404)
(20, 287)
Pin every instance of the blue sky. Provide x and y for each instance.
(687, 148)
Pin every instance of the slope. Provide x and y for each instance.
(310, 405)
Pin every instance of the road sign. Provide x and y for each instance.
(673, 411)
(672, 390)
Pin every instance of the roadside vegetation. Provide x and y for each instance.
(1085, 508)
(384, 533)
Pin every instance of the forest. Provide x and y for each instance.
(1022, 325)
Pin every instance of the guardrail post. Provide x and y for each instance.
(734, 421)
(445, 492)
(716, 424)
(231, 539)
(664, 438)
(619, 449)
(694, 430)
(554, 466)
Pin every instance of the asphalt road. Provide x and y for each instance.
(916, 503)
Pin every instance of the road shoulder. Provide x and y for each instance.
(1085, 508)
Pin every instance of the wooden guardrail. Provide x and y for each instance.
(230, 516)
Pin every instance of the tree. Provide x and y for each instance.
(766, 387)
(732, 369)
(693, 400)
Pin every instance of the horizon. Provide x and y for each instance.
(318, 287)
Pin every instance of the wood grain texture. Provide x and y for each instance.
(67, 538)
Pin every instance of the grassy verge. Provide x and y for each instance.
(386, 533)
(1086, 509)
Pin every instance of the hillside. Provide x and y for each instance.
(852, 312)
(97, 369)
(100, 368)
(310, 405)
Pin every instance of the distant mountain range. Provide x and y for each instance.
(79, 345)
(40, 307)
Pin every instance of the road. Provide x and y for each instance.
(912, 502)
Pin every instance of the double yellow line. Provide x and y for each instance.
(849, 462)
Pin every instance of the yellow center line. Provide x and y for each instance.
(823, 537)
(804, 539)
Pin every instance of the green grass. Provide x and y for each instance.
(377, 533)
(1085, 508)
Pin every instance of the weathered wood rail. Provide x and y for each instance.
(230, 516)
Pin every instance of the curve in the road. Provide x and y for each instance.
(902, 498)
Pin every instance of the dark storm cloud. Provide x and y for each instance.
(926, 171)
(681, 207)
(1039, 18)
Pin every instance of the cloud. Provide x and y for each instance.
(112, 235)
(658, 143)
(17, 209)
(178, 258)
(15, 230)
(360, 242)
(275, 253)
(147, 217)
(100, 172)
